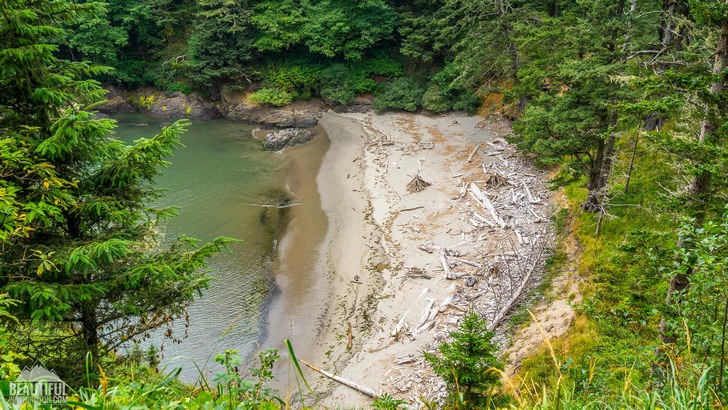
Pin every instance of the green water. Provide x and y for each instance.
(218, 182)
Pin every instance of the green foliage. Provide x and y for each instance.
(272, 96)
(279, 24)
(444, 93)
(419, 29)
(401, 93)
(700, 322)
(347, 28)
(286, 82)
(99, 41)
(79, 248)
(180, 86)
(220, 46)
(340, 83)
(466, 363)
(327, 27)
(387, 402)
(240, 393)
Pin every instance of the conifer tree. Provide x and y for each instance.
(78, 241)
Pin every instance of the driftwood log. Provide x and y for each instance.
(356, 386)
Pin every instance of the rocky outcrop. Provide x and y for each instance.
(298, 114)
(289, 137)
(175, 105)
(236, 106)
(361, 104)
(179, 105)
(158, 104)
(116, 101)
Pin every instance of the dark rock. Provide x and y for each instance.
(182, 106)
(116, 101)
(298, 114)
(289, 137)
(470, 281)
(361, 104)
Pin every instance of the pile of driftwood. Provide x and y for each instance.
(503, 247)
(417, 184)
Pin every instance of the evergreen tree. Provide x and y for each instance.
(466, 363)
(221, 44)
(575, 70)
(78, 241)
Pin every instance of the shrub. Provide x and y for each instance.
(399, 94)
(272, 96)
(435, 99)
(447, 93)
(184, 88)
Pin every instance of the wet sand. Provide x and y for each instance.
(297, 308)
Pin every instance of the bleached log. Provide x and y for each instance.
(443, 306)
(400, 324)
(428, 247)
(445, 266)
(463, 190)
(465, 242)
(433, 313)
(456, 307)
(484, 201)
(467, 262)
(356, 386)
(531, 199)
(496, 147)
(470, 158)
(425, 327)
(520, 238)
(414, 208)
(481, 218)
(535, 215)
(410, 358)
(426, 313)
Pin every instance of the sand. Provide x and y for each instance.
(360, 287)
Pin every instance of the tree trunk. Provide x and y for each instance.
(554, 9)
(592, 198)
(631, 162)
(599, 174)
(90, 329)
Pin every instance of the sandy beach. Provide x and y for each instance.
(397, 269)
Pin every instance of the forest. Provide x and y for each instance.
(624, 101)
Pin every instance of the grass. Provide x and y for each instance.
(606, 359)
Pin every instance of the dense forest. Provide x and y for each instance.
(624, 100)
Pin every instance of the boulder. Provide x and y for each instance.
(116, 101)
(236, 106)
(179, 105)
(361, 104)
(288, 137)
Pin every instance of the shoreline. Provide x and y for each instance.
(372, 330)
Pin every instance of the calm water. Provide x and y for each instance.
(218, 182)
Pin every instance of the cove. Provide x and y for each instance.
(218, 182)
